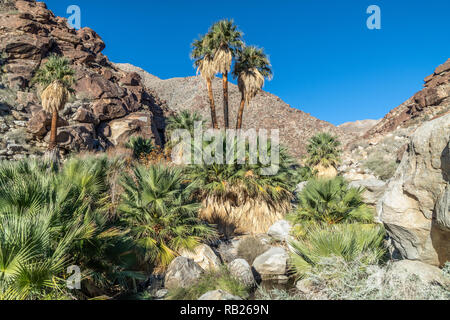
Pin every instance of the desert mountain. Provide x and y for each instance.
(359, 127)
(265, 111)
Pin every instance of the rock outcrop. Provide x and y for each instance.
(415, 206)
(108, 104)
(431, 102)
(204, 256)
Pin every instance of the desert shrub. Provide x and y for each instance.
(277, 294)
(209, 281)
(382, 168)
(158, 207)
(141, 147)
(339, 279)
(331, 201)
(348, 241)
(251, 247)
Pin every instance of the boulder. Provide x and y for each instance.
(136, 123)
(241, 270)
(40, 123)
(76, 137)
(204, 256)
(373, 190)
(414, 208)
(182, 273)
(280, 230)
(85, 115)
(272, 264)
(218, 295)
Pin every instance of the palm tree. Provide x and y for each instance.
(251, 68)
(323, 150)
(57, 77)
(331, 201)
(203, 56)
(157, 206)
(226, 40)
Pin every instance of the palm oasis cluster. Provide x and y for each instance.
(124, 219)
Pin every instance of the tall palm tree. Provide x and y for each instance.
(251, 68)
(226, 40)
(57, 78)
(203, 56)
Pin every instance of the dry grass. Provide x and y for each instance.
(234, 214)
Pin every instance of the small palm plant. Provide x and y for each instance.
(324, 154)
(251, 68)
(56, 77)
(158, 208)
(203, 56)
(140, 146)
(184, 120)
(60, 217)
(347, 241)
(226, 40)
(331, 201)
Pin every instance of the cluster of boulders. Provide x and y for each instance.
(186, 269)
(108, 104)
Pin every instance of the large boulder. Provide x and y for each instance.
(218, 295)
(415, 206)
(138, 123)
(373, 190)
(272, 264)
(182, 273)
(204, 256)
(241, 270)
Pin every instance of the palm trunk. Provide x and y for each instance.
(240, 113)
(52, 143)
(225, 99)
(211, 103)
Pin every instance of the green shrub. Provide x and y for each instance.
(251, 247)
(140, 146)
(331, 201)
(348, 241)
(210, 281)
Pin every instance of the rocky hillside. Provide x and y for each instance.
(265, 110)
(108, 105)
(431, 102)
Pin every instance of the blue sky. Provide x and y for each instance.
(325, 60)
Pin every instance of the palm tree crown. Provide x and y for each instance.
(251, 68)
(323, 149)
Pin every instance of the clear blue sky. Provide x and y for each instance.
(325, 60)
